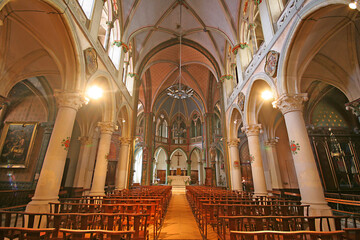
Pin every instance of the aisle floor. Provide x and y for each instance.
(179, 221)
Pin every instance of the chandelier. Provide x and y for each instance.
(180, 91)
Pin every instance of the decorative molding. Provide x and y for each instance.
(85, 140)
(107, 127)
(271, 63)
(125, 140)
(235, 49)
(234, 142)
(69, 99)
(252, 130)
(271, 142)
(291, 8)
(241, 101)
(66, 143)
(119, 43)
(91, 60)
(227, 77)
(289, 103)
(294, 147)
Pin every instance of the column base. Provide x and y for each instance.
(319, 209)
(260, 194)
(40, 205)
(97, 193)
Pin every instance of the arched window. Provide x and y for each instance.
(103, 24)
(87, 6)
(179, 131)
(114, 51)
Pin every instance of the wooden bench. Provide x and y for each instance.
(26, 233)
(96, 234)
(283, 235)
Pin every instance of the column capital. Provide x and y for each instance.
(85, 140)
(73, 100)
(125, 140)
(234, 142)
(354, 106)
(107, 127)
(271, 142)
(168, 161)
(289, 103)
(252, 129)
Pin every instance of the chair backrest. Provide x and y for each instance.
(288, 235)
(26, 233)
(75, 234)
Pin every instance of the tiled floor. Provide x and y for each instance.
(179, 221)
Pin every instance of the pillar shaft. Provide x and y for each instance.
(273, 164)
(235, 164)
(306, 170)
(201, 172)
(98, 184)
(257, 169)
(122, 166)
(84, 155)
(91, 162)
(168, 162)
(48, 186)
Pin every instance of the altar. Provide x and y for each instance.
(178, 180)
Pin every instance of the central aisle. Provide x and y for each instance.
(179, 221)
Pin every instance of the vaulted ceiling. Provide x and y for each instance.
(208, 29)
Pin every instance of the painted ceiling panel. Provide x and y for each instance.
(234, 8)
(126, 7)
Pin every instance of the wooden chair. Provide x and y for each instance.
(286, 235)
(26, 233)
(75, 234)
(352, 233)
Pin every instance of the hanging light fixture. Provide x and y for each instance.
(353, 5)
(180, 91)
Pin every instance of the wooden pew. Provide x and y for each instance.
(26, 233)
(227, 224)
(75, 234)
(282, 235)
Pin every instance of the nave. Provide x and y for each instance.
(154, 212)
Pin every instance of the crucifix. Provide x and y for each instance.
(178, 156)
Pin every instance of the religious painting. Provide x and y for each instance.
(17, 140)
(272, 59)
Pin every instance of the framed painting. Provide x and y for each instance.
(17, 140)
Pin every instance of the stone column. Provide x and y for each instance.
(257, 169)
(123, 164)
(306, 170)
(98, 184)
(270, 148)
(188, 172)
(91, 162)
(168, 162)
(48, 186)
(217, 171)
(83, 161)
(235, 171)
(48, 128)
(200, 172)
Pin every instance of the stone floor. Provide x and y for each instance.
(179, 221)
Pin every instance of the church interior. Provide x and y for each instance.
(187, 119)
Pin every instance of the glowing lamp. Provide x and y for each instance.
(94, 92)
(266, 95)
